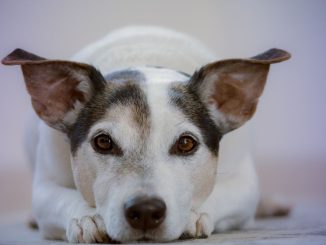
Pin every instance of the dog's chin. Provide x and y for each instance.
(147, 238)
(151, 236)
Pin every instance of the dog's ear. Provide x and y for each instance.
(58, 89)
(231, 88)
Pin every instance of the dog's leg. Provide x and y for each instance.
(59, 208)
(234, 200)
(62, 213)
(231, 204)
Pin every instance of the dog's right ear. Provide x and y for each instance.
(59, 89)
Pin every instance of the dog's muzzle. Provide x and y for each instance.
(145, 213)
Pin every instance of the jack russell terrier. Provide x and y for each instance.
(139, 148)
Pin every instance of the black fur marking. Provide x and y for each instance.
(125, 75)
(183, 73)
(98, 81)
(190, 104)
(127, 93)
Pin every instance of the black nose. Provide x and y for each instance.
(144, 213)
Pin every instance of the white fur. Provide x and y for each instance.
(58, 206)
(141, 46)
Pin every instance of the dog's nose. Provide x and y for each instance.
(144, 213)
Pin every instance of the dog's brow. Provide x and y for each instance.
(123, 94)
(191, 106)
(179, 123)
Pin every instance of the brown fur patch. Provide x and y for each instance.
(52, 85)
(52, 89)
(238, 95)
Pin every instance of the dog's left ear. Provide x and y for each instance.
(231, 88)
(59, 89)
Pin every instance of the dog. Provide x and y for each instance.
(143, 146)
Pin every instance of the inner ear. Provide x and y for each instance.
(238, 88)
(231, 88)
(58, 89)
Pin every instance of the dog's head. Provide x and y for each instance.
(144, 141)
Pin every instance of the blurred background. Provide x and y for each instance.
(290, 124)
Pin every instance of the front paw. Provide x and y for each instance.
(199, 226)
(87, 229)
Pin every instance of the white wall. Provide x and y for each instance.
(291, 120)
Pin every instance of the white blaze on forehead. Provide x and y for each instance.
(166, 121)
(162, 75)
(158, 81)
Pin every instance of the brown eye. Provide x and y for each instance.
(103, 144)
(185, 145)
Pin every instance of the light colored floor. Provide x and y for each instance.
(305, 225)
(304, 184)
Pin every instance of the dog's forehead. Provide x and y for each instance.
(155, 97)
(125, 75)
(155, 74)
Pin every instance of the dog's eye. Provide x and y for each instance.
(103, 144)
(185, 145)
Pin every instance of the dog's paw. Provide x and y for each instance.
(199, 226)
(88, 229)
